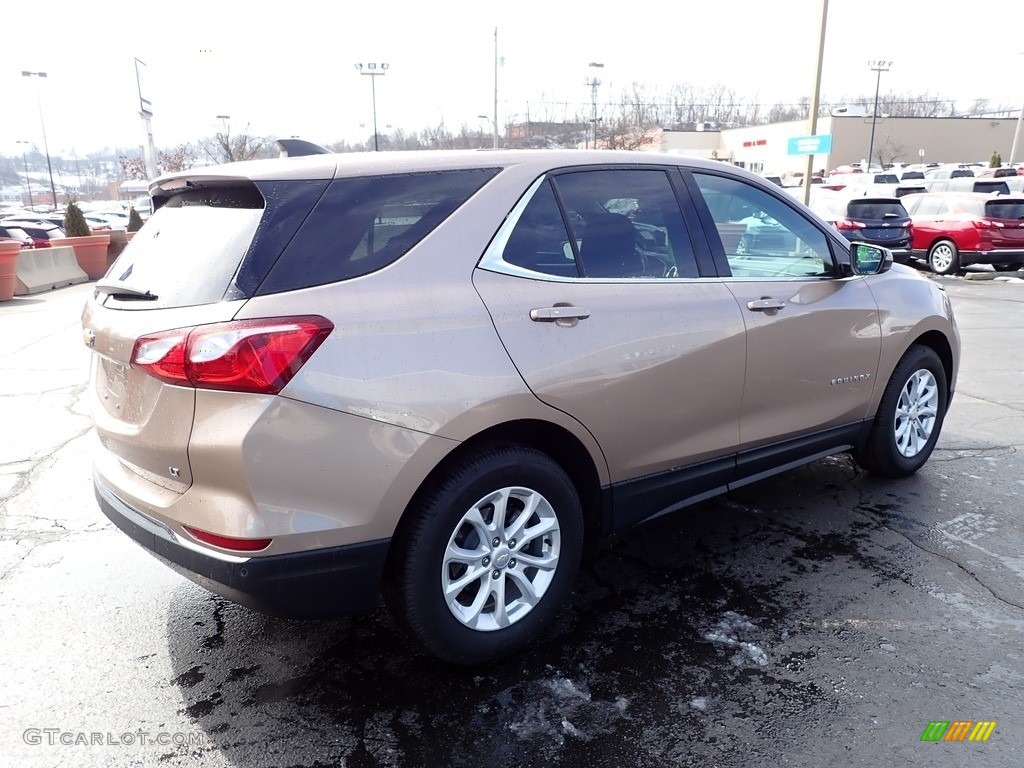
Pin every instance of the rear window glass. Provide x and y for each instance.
(874, 209)
(913, 175)
(961, 173)
(991, 186)
(1005, 209)
(189, 250)
(886, 178)
(363, 224)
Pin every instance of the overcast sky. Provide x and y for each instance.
(291, 71)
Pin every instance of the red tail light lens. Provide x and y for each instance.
(228, 542)
(987, 224)
(847, 224)
(258, 356)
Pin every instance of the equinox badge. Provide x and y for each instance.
(851, 379)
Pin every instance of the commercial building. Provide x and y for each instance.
(764, 148)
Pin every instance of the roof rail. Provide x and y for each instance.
(300, 148)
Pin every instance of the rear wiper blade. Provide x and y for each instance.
(119, 290)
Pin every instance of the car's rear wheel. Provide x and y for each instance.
(909, 417)
(488, 556)
(944, 258)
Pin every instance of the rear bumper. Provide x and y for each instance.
(338, 581)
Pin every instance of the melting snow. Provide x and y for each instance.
(732, 630)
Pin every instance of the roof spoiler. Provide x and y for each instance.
(300, 148)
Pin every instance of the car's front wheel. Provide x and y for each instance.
(944, 258)
(909, 417)
(488, 555)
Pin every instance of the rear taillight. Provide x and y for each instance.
(847, 224)
(228, 542)
(987, 224)
(258, 356)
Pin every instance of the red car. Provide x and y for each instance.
(954, 229)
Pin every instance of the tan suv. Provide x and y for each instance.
(441, 376)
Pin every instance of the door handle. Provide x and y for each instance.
(765, 305)
(554, 314)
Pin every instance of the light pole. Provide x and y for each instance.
(593, 82)
(486, 119)
(1017, 131)
(42, 123)
(879, 67)
(28, 181)
(372, 70)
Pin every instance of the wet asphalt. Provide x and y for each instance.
(823, 617)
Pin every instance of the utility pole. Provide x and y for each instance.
(879, 67)
(495, 113)
(593, 82)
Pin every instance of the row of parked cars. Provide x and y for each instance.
(946, 229)
(35, 229)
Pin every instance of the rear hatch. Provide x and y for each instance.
(1004, 222)
(882, 221)
(184, 268)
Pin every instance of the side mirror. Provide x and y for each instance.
(869, 259)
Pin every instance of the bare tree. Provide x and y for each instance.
(227, 148)
(133, 167)
(889, 151)
(179, 158)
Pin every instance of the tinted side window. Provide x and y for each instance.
(626, 223)
(763, 236)
(540, 241)
(363, 224)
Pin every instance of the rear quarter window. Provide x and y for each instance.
(363, 224)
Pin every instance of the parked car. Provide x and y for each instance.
(876, 220)
(41, 232)
(948, 173)
(12, 232)
(996, 173)
(984, 186)
(952, 230)
(442, 375)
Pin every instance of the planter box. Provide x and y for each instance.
(90, 251)
(8, 269)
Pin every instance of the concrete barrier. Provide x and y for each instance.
(43, 269)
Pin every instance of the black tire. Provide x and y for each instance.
(881, 453)
(416, 567)
(938, 253)
(1007, 267)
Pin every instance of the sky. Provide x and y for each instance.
(288, 68)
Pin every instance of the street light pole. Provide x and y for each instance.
(28, 181)
(879, 67)
(42, 123)
(593, 82)
(374, 73)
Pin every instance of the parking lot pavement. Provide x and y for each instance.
(820, 617)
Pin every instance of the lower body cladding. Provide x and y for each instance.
(337, 581)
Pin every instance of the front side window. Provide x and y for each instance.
(764, 237)
(603, 224)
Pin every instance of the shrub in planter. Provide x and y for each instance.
(90, 249)
(75, 224)
(134, 221)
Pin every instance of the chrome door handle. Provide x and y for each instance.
(554, 314)
(765, 305)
